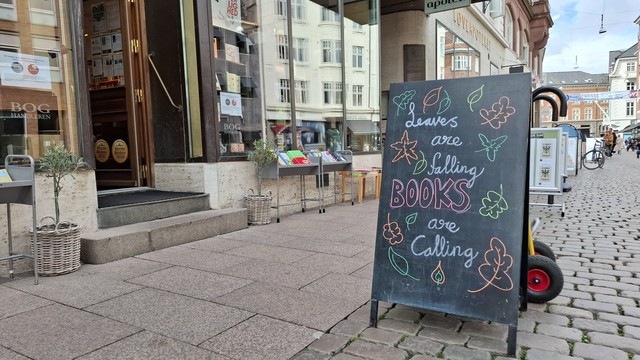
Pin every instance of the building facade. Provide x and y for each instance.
(591, 117)
(623, 76)
(172, 94)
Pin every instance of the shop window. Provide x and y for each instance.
(363, 135)
(37, 104)
(458, 59)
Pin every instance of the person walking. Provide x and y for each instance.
(609, 141)
(618, 144)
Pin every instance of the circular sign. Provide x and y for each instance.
(101, 149)
(120, 151)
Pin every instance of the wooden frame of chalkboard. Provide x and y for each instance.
(453, 210)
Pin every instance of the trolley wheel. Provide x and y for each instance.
(544, 279)
(543, 249)
(319, 211)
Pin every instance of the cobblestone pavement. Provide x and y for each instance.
(596, 315)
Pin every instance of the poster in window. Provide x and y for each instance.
(233, 83)
(96, 67)
(98, 17)
(118, 66)
(226, 13)
(116, 42)
(232, 53)
(96, 45)
(22, 70)
(230, 104)
(107, 66)
(113, 15)
(106, 44)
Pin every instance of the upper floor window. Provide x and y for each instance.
(8, 10)
(301, 49)
(576, 114)
(358, 57)
(460, 62)
(332, 92)
(631, 108)
(331, 51)
(631, 66)
(298, 8)
(302, 92)
(525, 49)
(631, 85)
(588, 113)
(330, 16)
(284, 90)
(283, 46)
(508, 28)
(358, 91)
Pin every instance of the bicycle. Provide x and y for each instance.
(594, 158)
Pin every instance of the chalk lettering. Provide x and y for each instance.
(439, 224)
(452, 166)
(437, 193)
(446, 140)
(441, 249)
(433, 121)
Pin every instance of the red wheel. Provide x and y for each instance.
(544, 279)
(538, 280)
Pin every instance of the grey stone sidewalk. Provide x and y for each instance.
(300, 290)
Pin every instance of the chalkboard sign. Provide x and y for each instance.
(452, 208)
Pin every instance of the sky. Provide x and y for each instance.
(575, 33)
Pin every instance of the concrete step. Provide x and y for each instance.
(114, 216)
(120, 242)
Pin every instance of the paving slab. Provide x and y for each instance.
(123, 269)
(293, 276)
(183, 318)
(60, 332)
(194, 258)
(16, 302)
(261, 338)
(341, 286)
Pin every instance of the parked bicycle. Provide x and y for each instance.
(594, 158)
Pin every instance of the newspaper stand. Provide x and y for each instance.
(277, 171)
(336, 167)
(21, 190)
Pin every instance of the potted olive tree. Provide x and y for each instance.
(58, 240)
(259, 205)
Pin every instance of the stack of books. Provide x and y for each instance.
(4, 176)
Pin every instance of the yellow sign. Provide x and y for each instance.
(120, 151)
(101, 149)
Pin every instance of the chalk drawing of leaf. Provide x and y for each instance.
(498, 114)
(475, 96)
(411, 219)
(432, 98)
(403, 99)
(399, 263)
(494, 270)
(493, 204)
(421, 165)
(405, 148)
(445, 103)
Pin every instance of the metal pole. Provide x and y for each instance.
(292, 79)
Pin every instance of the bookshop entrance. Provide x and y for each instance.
(136, 83)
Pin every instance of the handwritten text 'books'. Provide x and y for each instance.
(452, 216)
(4, 176)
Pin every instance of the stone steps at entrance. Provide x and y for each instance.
(120, 242)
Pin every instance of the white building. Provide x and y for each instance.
(623, 76)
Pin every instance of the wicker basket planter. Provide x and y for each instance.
(58, 248)
(258, 208)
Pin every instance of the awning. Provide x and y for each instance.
(362, 127)
(631, 127)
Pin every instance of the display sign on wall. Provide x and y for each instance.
(452, 210)
(22, 70)
(434, 6)
(230, 104)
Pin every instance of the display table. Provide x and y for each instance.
(361, 180)
(21, 190)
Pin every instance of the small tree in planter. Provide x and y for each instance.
(58, 242)
(259, 205)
